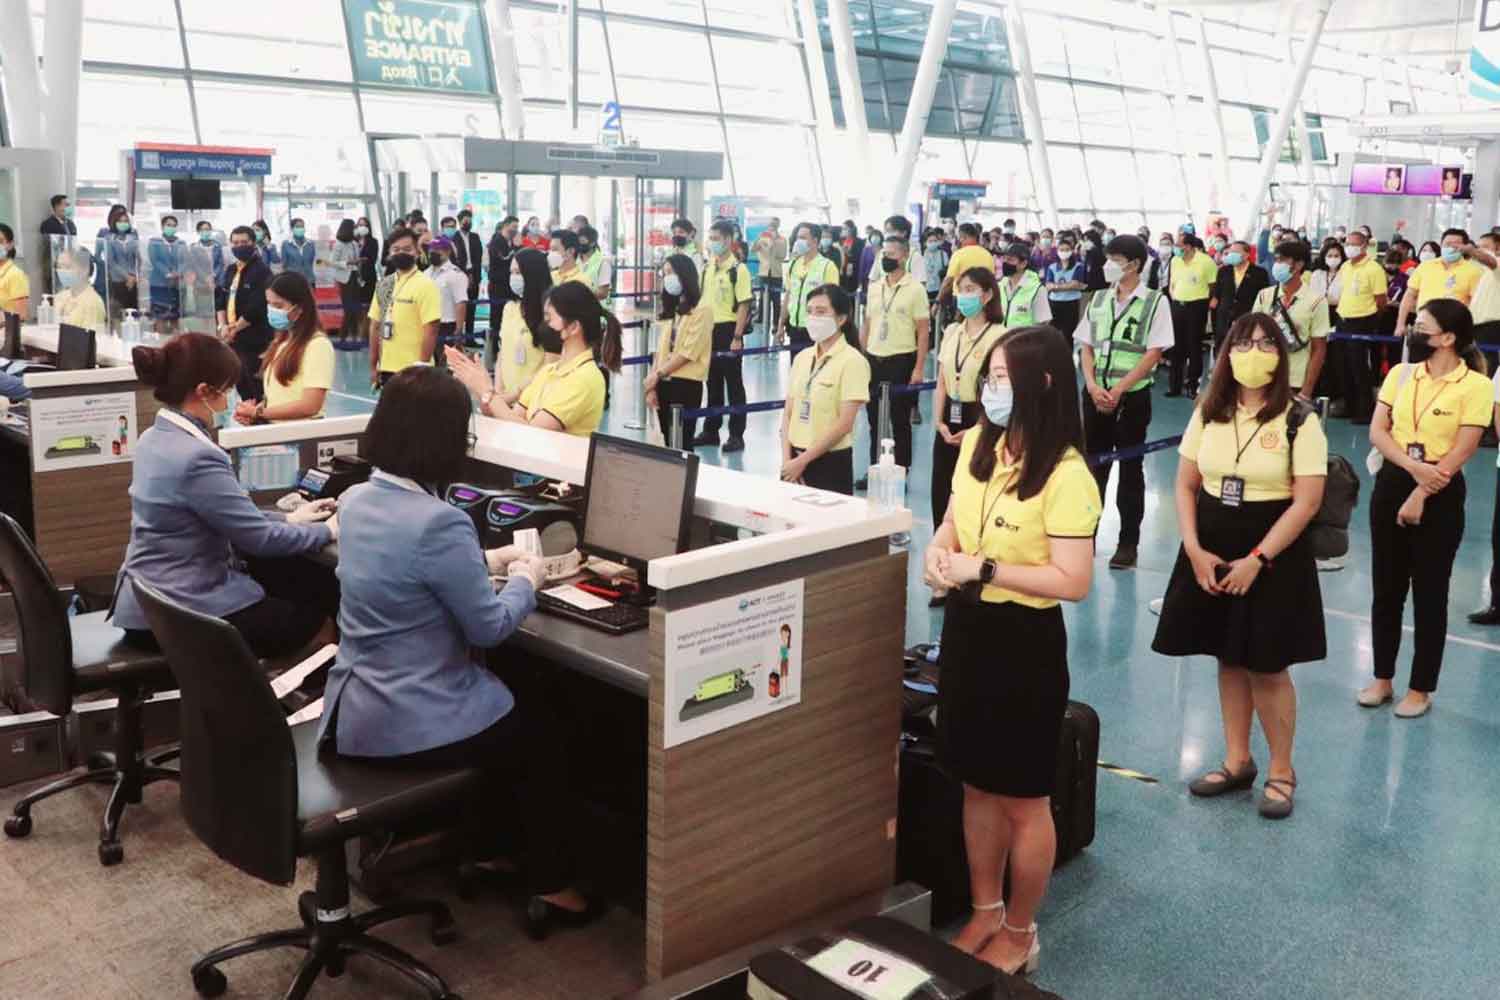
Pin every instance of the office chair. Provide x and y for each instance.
(65, 657)
(261, 794)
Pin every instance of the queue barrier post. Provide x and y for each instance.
(637, 420)
(674, 439)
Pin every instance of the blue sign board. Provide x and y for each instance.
(419, 45)
(200, 163)
(960, 189)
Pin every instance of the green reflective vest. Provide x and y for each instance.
(1019, 309)
(1120, 341)
(591, 267)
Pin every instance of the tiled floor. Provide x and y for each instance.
(1383, 883)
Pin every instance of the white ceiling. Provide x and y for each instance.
(1422, 31)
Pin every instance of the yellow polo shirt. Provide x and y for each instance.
(802, 279)
(1309, 313)
(1362, 281)
(692, 335)
(819, 388)
(415, 302)
(572, 391)
(1434, 280)
(967, 258)
(1255, 452)
(994, 522)
(893, 313)
(718, 290)
(558, 277)
(1485, 305)
(316, 372)
(1430, 411)
(961, 359)
(14, 286)
(81, 306)
(520, 357)
(1193, 281)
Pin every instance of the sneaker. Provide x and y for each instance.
(1485, 616)
(733, 444)
(1330, 565)
(1124, 558)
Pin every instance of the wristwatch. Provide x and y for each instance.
(987, 571)
(1265, 560)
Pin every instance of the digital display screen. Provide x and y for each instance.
(313, 481)
(1434, 180)
(1378, 178)
(461, 494)
(509, 509)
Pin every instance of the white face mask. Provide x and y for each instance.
(554, 260)
(820, 328)
(1113, 271)
(1427, 255)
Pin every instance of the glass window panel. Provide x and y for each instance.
(327, 156)
(253, 38)
(675, 11)
(1101, 115)
(974, 92)
(940, 158)
(1005, 111)
(773, 161)
(1112, 178)
(1161, 181)
(1006, 165)
(1059, 117)
(1091, 53)
(1239, 131)
(1151, 123)
(1049, 55)
(116, 112)
(1136, 52)
(1229, 74)
(662, 68)
(762, 78)
(1069, 180)
(143, 31)
(751, 15)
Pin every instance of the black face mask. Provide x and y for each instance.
(584, 249)
(679, 241)
(548, 339)
(402, 261)
(889, 264)
(466, 225)
(1008, 269)
(1419, 348)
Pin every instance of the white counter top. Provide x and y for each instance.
(109, 349)
(790, 521)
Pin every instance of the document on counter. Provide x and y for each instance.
(307, 713)
(580, 599)
(290, 681)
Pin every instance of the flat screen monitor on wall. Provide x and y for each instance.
(1378, 178)
(195, 196)
(1437, 180)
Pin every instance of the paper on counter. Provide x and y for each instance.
(580, 599)
(307, 713)
(293, 678)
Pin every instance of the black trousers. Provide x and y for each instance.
(473, 307)
(689, 393)
(525, 773)
(1124, 428)
(1065, 315)
(1356, 365)
(725, 375)
(945, 461)
(353, 318)
(1418, 558)
(773, 310)
(1189, 320)
(833, 472)
(895, 369)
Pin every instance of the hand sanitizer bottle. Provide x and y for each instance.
(46, 313)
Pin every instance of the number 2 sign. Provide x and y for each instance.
(869, 972)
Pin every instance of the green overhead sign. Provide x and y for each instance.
(419, 45)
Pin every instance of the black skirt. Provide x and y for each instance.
(1003, 692)
(1278, 623)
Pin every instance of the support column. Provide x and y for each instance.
(826, 137)
(1220, 143)
(23, 79)
(852, 97)
(571, 13)
(62, 44)
(1031, 113)
(1486, 207)
(1187, 156)
(507, 63)
(1272, 153)
(920, 108)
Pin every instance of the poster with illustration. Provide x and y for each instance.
(732, 660)
(74, 432)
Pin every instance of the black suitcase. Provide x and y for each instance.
(929, 833)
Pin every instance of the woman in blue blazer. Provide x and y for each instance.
(416, 596)
(191, 522)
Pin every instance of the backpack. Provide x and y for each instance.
(1328, 531)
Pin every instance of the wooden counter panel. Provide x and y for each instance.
(788, 815)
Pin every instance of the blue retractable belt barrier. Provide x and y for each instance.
(639, 359)
(1135, 451)
(725, 411)
(912, 388)
(1377, 338)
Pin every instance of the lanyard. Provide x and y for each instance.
(1241, 447)
(985, 512)
(1417, 411)
(816, 366)
(958, 363)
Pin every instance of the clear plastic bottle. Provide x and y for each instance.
(888, 487)
(130, 327)
(46, 313)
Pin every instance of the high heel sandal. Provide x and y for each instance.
(986, 908)
(1033, 958)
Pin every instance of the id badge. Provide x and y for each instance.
(804, 411)
(387, 330)
(1416, 451)
(881, 335)
(1232, 491)
(520, 352)
(955, 412)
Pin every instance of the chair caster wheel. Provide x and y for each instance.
(443, 934)
(210, 982)
(17, 826)
(111, 853)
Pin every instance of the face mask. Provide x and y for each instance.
(1451, 254)
(1165, 248)
(549, 340)
(969, 304)
(518, 284)
(889, 264)
(466, 225)
(68, 279)
(672, 285)
(1356, 252)
(1333, 260)
(1064, 255)
(1178, 251)
(260, 236)
(1234, 258)
(279, 319)
(825, 243)
(1046, 242)
(715, 248)
(1281, 272)
(1253, 369)
(1339, 234)
(1108, 237)
(932, 244)
(998, 402)
(584, 249)
(1113, 271)
(1190, 229)
(436, 260)
(554, 260)
(820, 328)
(1008, 269)
(450, 231)
(122, 226)
(243, 253)
(361, 231)
(403, 261)
(221, 417)
(206, 237)
(298, 232)
(68, 212)
(168, 232)
(679, 241)
(1010, 230)
(1419, 348)
(533, 230)
(1427, 255)
(799, 248)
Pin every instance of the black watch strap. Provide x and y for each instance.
(987, 572)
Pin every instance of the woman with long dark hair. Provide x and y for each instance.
(524, 343)
(1429, 418)
(1017, 540)
(683, 347)
(345, 264)
(568, 394)
(1245, 587)
(368, 248)
(828, 384)
(955, 402)
(297, 368)
(119, 252)
(265, 245)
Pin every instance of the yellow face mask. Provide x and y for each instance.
(1254, 368)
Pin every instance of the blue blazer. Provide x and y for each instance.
(188, 513)
(415, 596)
(300, 259)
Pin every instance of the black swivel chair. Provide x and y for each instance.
(261, 794)
(64, 657)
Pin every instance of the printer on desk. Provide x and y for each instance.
(499, 514)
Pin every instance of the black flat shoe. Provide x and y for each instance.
(1487, 616)
(541, 915)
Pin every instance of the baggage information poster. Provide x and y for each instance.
(732, 660)
(73, 432)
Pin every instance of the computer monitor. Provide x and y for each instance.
(638, 501)
(75, 348)
(10, 345)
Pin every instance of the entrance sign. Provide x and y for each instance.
(419, 44)
(1484, 55)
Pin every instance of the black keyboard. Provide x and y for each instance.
(617, 619)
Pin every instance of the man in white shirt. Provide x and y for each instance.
(453, 292)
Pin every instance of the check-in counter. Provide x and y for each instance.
(67, 453)
(782, 807)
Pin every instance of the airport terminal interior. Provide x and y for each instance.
(335, 603)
